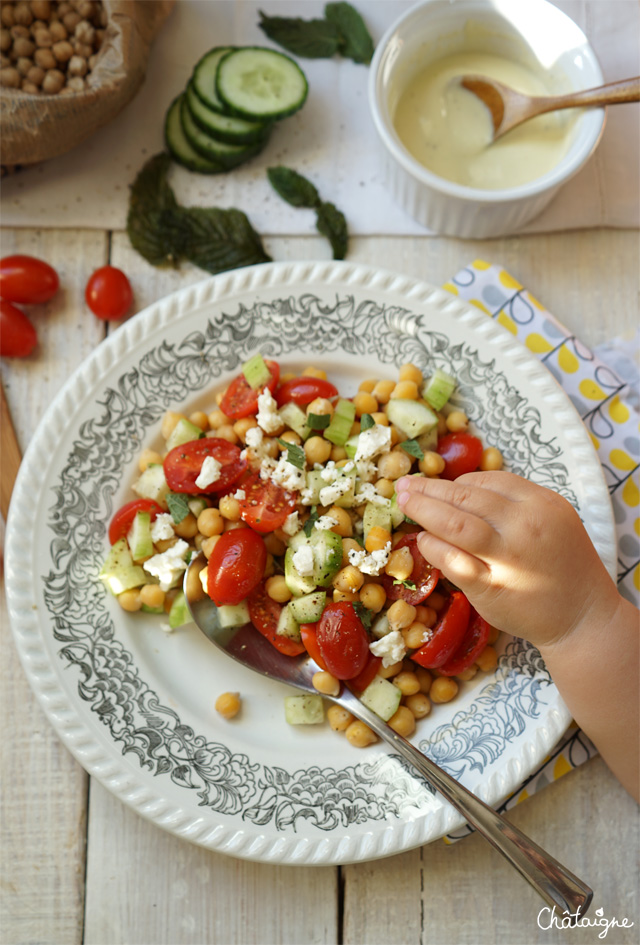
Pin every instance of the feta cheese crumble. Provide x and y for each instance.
(303, 560)
(239, 494)
(291, 524)
(372, 442)
(268, 417)
(366, 492)
(283, 473)
(168, 565)
(209, 472)
(325, 523)
(391, 647)
(253, 437)
(330, 494)
(372, 563)
(162, 528)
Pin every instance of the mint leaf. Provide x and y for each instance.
(311, 39)
(412, 447)
(318, 421)
(365, 615)
(293, 187)
(178, 504)
(295, 454)
(150, 221)
(355, 40)
(410, 585)
(331, 223)
(311, 521)
(366, 422)
(217, 240)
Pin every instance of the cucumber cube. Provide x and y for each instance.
(304, 710)
(183, 432)
(118, 572)
(411, 416)
(382, 697)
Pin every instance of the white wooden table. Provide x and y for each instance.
(78, 866)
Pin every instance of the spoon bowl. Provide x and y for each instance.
(510, 108)
(556, 884)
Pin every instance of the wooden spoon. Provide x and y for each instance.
(10, 452)
(510, 108)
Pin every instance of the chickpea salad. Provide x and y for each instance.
(289, 491)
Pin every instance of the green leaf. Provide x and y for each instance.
(293, 187)
(366, 422)
(318, 421)
(410, 585)
(365, 615)
(311, 521)
(331, 223)
(311, 39)
(412, 447)
(217, 240)
(355, 40)
(295, 454)
(178, 504)
(151, 224)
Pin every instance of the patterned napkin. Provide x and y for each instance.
(608, 405)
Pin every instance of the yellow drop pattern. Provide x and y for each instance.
(567, 360)
(589, 389)
(631, 493)
(480, 264)
(618, 411)
(561, 767)
(508, 281)
(622, 460)
(538, 343)
(507, 322)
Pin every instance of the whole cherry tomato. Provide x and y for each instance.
(265, 505)
(182, 465)
(240, 399)
(265, 614)
(18, 337)
(302, 390)
(473, 643)
(236, 566)
(310, 640)
(447, 635)
(123, 519)
(461, 453)
(27, 279)
(424, 577)
(108, 293)
(343, 641)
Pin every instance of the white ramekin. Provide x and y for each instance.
(528, 30)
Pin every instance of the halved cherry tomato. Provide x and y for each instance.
(368, 674)
(447, 635)
(343, 641)
(183, 463)
(241, 400)
(310, 640)
(265, 613)
(108, 293)
(123, 519)
(18, 337)
(27, 279)
(302, 390)
(236, 566)
(424, 576)
(265, 505)
(473, 643)
(461, 453)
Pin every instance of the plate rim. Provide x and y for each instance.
(89, 745)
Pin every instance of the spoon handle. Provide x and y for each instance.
(626, 90)
(556, 884)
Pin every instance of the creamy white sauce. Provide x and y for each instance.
(448, 129)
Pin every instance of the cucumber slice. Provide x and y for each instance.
(411, 416)
(179, 614)
(118, 572)
(295, 418)
(256, 373)
(139, 537)
(304, 710)
(341, 422)
(382, 697)
(180, 148)
(327, 555)
(152, 485)
(260, 84)
(227, 155)
(197, 505)
(438, 389)
(351, 446)
(233, 615)
(297, 583)
(204, 78)
(376, 515)
(183, 432)
(288, 626)
(308, 609)
(223, 127)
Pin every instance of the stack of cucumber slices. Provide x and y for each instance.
(228, 109)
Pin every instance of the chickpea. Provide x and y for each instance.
(419, 705)
(231, 526)
(383, 390)
(7, 16)
(360, 735)
(317, 449)
(494, 633)
(226, 432)
(10, 78)
(35, 75)
(43, 38)
(320, 406)
(148, 458)
(394, 465)
(401, 615)
(314, 372)
(437, 601)
(431, 464)
(407, 682)
(355, 428)
(228, 704)
(348, 579)
(130, 600)
(229, 508)
(405, 390)
(349, 596)
(45, 59)
(443, 689)
(41, 9)
(385, 488)
(5, 40)
(210, 522)
(23, 65)
(409, 372)
(274, 545)
(276, 588)
(338, 453)
(29, 87)
(426, 615)
(424, 678)
(488, 659)
(373, 596)
(208, 545)
(364, 403)
(377, 538)
(467, 674)
(217, 419)
(23, 47)
(199, 419)
(339, 719)
(22, 13)
(457, 421)
(415, 635)
(57, 30)
(170, 422)
(348, 544)
(400, 564)
(53, 81)
(290, 436)
(344, 525)
(367, 386)
(388, 672)
(403, 721)
(491, 459)
(325, 683)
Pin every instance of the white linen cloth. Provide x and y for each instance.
(331, 140)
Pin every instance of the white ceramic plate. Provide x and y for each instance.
(135, 705)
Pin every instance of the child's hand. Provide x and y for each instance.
(518, 551)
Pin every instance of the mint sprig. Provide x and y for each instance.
(342, 31)
(297, 191)
(178, 505)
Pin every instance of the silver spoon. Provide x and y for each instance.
(556, 884)
(510, 108)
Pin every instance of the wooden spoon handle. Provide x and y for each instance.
(10, 452)
(626, 90)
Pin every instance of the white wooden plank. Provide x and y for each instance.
(44, 791)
